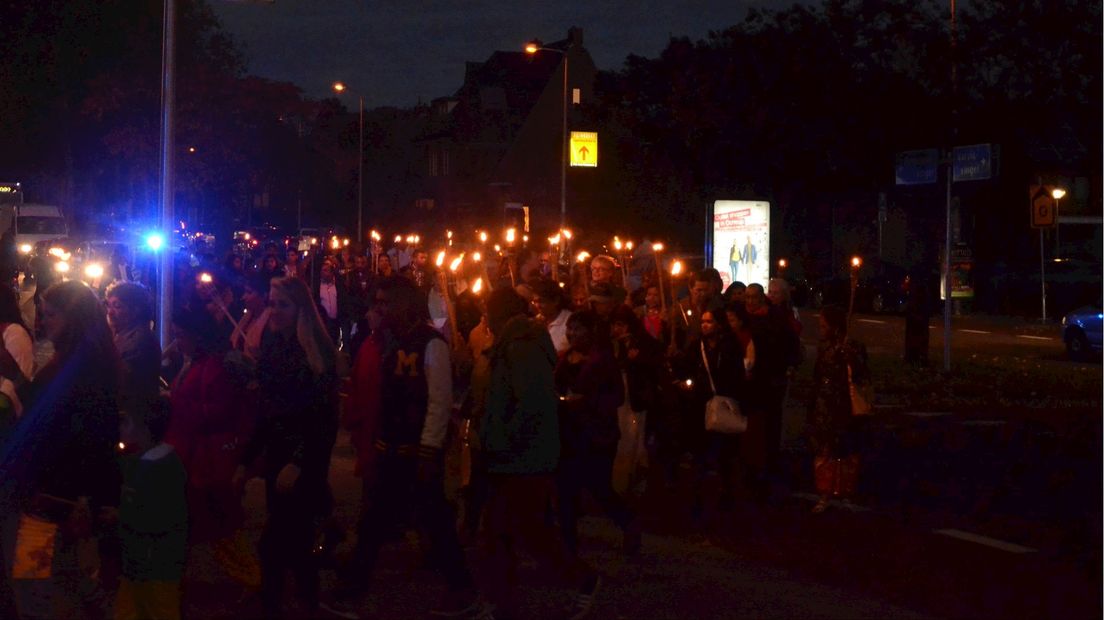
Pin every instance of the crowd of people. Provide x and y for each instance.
(537, 389)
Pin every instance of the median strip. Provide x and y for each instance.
(985, 540)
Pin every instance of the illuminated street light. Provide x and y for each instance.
(1058, 194)
(532, 48)
(340, 87)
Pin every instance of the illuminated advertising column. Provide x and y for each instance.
(741, 241)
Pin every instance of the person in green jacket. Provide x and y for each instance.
(521, 445)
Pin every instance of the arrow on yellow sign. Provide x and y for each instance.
(584, 149)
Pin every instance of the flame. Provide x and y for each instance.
(511, 234)
(477, 287)
(456, 263)
(375, 236)
(554, 240)
(617, 244)
(856, 262)
(477, 256)
(583, 256)
(567, 234)
(483, 237)
(441, 258)
(448, 234)
(498, 248)
(782, 263)
(629, 245)
(657, 247)
(398, 238)
(676, 268)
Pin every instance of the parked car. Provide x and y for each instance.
(1081, 331)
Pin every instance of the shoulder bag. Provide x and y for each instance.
(722, 414)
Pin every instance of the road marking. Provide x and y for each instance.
(985, 540)
(871, 321)
(984, 422)
(974, 331)
(1033, 337)
(928, 414)
(932, 327)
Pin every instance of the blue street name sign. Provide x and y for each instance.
(973, 163)
(917, 167)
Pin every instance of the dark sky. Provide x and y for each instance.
(396, 52)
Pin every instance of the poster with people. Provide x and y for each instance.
(741, 241)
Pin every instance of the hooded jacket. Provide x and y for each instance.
(520, 429)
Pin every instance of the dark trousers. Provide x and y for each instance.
(515, 517)
(590, 470)
(393, 494)
(287, 541)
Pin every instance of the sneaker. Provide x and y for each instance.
(584, 598)
(457, 604)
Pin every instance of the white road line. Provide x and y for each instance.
(985, 540)
(871, 321)
(932, 327)
(974, 331)
(1033, 337)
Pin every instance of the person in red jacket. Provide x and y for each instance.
(211, 420)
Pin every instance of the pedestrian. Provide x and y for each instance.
(553, 312)
(129, 312)
(520, 440)
(247, 336)
(58, 467)
(407, 474)
(290, 448)
(715, 366)
(775, 343)
(591, 389)
(212, 418)
(833, 428)
(17, 344)
(332, 298)
(640, 359)
(153, 517)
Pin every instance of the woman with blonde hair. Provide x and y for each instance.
(296, 372)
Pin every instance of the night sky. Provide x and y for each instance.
(397, 53)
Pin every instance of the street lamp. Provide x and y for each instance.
(339, 87)
(1058, 194)
(856, 263)
(532, 48)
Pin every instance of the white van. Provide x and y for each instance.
(30, 223)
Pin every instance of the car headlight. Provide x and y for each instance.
(94, 270)
(61, 267)
(25, 248)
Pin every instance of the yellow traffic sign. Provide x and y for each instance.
(1044, 208)
(584, 149)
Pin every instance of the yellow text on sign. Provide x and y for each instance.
(584, 148)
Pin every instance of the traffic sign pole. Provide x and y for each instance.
(1042, 273)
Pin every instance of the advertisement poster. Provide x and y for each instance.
(741, 241)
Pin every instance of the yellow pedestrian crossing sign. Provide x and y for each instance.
(584, 149)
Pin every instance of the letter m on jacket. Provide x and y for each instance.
(406, 360)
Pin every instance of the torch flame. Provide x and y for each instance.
(483, 237)
(511, 234)
(441, 258)
(477, 256)
(554, 240)
(566, 234)
(629, 245)
(657, 247)
(455, 264)
(398, 238)
(617, 244)
(448, 234)
(676, 268)
(498, 248)
(477, 287)
(375, 236)
(583, 256)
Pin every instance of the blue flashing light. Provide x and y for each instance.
(155, 241)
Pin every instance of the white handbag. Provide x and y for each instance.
(722, 414)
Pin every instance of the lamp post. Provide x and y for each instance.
(168, 87)
(532, 48)
(1058, 194)
(339, 87)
